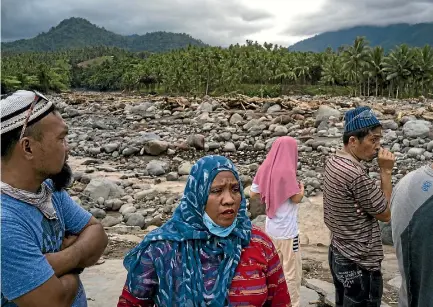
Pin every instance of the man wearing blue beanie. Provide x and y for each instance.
(355, 253)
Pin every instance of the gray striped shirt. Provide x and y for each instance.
(357, 237)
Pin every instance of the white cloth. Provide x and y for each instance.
(285, 223)
(41, 200)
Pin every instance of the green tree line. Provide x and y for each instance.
(251, 69)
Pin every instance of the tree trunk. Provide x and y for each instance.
(207, 82)
(368, 86)
(377, 84)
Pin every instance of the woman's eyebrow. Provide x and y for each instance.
(218, 185)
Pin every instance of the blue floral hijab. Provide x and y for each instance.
(188, 235)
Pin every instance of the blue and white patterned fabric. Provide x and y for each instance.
(180, 273)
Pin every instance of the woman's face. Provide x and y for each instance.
(224, 199)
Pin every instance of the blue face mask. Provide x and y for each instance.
(216, 229)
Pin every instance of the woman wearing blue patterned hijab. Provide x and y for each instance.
(193, 258)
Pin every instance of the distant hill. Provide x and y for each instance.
(388, 37)
(74, 33)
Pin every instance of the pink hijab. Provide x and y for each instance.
(276, 177)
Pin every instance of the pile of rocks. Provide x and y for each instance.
(160, 138)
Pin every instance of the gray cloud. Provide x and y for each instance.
(213, 21)
(339, 14)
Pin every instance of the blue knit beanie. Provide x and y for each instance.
(354, 121)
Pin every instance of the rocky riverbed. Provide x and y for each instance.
(131, 155)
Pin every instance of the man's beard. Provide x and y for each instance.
(63, 179)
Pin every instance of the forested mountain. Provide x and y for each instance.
(387, 37)
(74, 33)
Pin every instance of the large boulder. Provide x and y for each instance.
(325, 112)
(196, 141)
(156, 168)
(155, 147)
(417, 128)
(140, 109)
(256, 208)
(386, 233)
(136, 219)
(102, 187)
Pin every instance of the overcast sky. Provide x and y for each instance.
(216, 22)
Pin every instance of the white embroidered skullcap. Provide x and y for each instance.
(15, 107)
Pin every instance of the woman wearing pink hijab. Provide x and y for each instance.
(277, 186)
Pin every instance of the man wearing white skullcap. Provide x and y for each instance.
(46, 238)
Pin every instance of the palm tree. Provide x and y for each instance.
(423, 60)
(398, 66)
(376, 59)
(354, 59)
(331, 73)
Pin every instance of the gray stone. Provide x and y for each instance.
(386, 233)
(390, 136)
(259, 145)
(98, 213)
(110, 221)
(184, 168)
(396, 147)
(225, 136)
(150, 193)
(256, 207)
(430, 146)
(156, 221)
(315, 184)
(205, 107)
(113, 204)
(141, 109)
(125, 207)
(136, 219)
(155, 147)
(280, 131)
(102, 187)
(414, 143)
(111, 147)
(146, 137)
(389, 124)
(395, 282)
(155, 168)
(309, 297)
(229, 147)
(414, 152)
(196, 141)
(236, 119)
(94, 150)
(172, 176)
(274, 108)
(246, 180)
(252, 123)
(324, 112)
(416, 128)
(332, 131)
(129, 210)
(324, 288)
(129, 151)
(100, 201)
(270, 142)
(71, 112)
